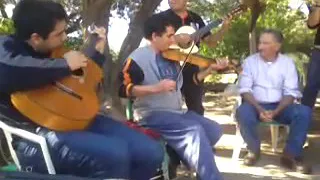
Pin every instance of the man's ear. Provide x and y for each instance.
(278, 45)
(154, 36)
(36, 39)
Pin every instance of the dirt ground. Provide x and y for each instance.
(220, 109)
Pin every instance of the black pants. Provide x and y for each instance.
(313, 80)
(192, 92)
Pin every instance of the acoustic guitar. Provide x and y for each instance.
(196, 35)
(68, 104)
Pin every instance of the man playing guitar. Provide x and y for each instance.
(107, 148)
(192, 88)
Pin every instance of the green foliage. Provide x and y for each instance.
(6, 26)
(74, 43)
(278, 15)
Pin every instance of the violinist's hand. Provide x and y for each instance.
(75, 60)
(166, 85)
(102, 39)
(221, 64)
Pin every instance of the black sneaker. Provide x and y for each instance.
(295, 164)
(251, 158)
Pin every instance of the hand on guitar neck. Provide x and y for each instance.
(76, 59)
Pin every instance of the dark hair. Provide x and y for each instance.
(36, 16)
(157, 23)
(276, 34)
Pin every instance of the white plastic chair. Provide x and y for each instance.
(232, 90)
(9, 131)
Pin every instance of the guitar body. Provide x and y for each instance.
(186, 30)
(69, 104)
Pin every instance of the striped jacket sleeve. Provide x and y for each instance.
(130, 75)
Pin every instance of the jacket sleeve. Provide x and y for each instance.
(130, 75)
(19, 71)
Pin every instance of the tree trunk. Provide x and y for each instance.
(253, 41)
(98, 12)
(2, 9)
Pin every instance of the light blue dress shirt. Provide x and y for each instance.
(269, 81)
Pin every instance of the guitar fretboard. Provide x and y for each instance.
(202, 31)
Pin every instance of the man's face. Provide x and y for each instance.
(177, 5)
(55, 39)
(163, 42)
(268, 45)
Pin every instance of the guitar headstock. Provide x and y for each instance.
(236, 11)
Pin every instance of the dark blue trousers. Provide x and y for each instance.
(108, 149)
(192, 137)
(297, 116)
(313, 81)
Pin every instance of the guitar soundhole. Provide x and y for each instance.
(78, 72)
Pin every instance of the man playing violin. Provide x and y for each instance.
(192, 88)
(107, 149)
(153, 83)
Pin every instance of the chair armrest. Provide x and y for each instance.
(8, 131)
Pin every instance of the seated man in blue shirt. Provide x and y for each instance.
(269, 86)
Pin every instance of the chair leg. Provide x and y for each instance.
(287, 130)
(165, 163)
(12, 151)
(274, 137)
(237, 145)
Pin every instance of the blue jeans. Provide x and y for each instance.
(108, 149)
(192, 137)
(297, 116)
(313, 81)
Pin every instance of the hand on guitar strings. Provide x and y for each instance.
(75, 60)
(183, 40)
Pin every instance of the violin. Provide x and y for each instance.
(201, 61)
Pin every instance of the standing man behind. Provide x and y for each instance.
(313, 82)
(192, 88)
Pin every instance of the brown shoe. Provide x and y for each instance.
(295, 164)
(251, 158)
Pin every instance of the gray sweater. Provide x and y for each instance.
(154, 70)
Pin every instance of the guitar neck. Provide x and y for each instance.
(204, 30)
